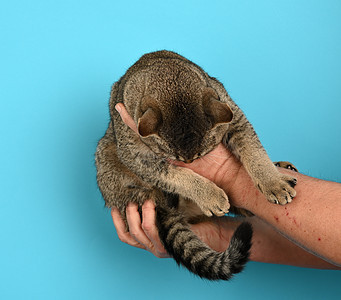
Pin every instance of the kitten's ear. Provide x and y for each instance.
(217, 111)
(149, 123)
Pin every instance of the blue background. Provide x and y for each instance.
(279, 60)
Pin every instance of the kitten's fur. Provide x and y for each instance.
(182, 113)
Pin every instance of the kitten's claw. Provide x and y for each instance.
(218, 212)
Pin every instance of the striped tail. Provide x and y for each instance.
(188, 250)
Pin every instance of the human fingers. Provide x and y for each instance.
(150, 229)
(122, 233)
(126, 118)
(135, 227)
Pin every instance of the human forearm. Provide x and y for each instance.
(269, 246)
(312, 220)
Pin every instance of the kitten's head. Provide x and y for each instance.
(184, 128)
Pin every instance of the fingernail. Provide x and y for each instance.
(118, 108)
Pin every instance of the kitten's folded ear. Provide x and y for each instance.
(151, 119)
(217, 111)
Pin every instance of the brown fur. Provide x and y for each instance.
(182, 113)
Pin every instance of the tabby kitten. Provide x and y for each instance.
(181, 113)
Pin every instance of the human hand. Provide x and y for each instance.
(141, 234)
(215, 232)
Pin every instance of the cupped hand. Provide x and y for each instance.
(144, 234)
(141, 234)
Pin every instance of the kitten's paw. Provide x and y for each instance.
(216, 203)
(279, 190)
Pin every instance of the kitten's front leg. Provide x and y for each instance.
(210, 198)
(244, 143)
